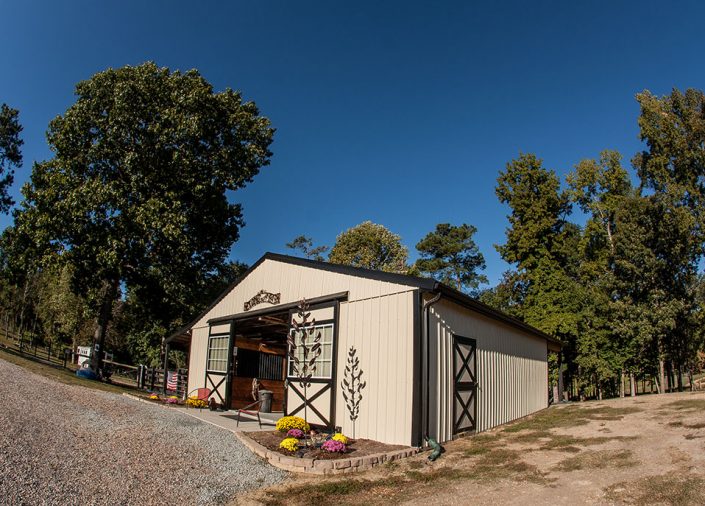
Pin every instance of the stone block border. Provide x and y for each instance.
(326, 467)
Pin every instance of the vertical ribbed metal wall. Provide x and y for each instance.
(512, 371)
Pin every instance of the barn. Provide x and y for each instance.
(428, 360)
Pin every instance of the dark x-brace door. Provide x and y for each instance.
(464, 384)
(320, 404)
(219, 381)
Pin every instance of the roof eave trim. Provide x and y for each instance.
(482, 308)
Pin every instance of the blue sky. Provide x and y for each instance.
(397, 112)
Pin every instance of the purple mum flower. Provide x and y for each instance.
(297, 433)
(334, 446)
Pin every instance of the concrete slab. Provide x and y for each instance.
(228, 420)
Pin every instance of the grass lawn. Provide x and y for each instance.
(58, 373)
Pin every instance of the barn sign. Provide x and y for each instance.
(262, 297)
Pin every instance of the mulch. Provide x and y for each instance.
(355, 448)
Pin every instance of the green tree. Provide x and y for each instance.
(450, 255)
(10, 152)
(543, 245)
(305, 246)
(672, 167)
(62, 313)
(600, 188)
(508, 295)
(644, 314)
(135, 195)
(538, 211)
(370, 246)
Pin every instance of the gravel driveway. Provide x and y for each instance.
(66, 444)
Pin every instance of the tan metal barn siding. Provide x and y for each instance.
(381, 329)
(512, 369)
(197, 359)
(293, 282)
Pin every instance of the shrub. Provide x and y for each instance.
(340, 438)
(172, 400)
(334, 446)
(196, 403)
(290, 444)
(296, 433)
(286, 423)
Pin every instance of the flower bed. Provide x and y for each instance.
(360, 455)
(272, 440)
(171, 400)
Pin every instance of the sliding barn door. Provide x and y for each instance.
(464, 384)
(219, 362)
(316, 401)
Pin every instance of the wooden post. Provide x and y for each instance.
(166, 367)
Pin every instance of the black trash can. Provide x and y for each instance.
(266, 397)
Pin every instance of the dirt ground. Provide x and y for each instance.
(646, 450)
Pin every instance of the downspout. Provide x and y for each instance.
(425, 345)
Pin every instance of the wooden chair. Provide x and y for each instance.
(249, 411)
(202, 394)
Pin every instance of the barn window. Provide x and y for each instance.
(217, 354)
(324, 363)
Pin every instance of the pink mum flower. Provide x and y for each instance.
(334, 446)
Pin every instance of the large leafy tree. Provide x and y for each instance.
(543, 246)
(62, 314)
(508, 295)
(371, 246)
(135, 194)
(10, 152)
(538, 211)
(644, 311)
(305, 245)
(601, 188)
(449, 254)
(672, 167)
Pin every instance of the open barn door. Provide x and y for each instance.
(465, 384)
(316, 402)
(219, 362)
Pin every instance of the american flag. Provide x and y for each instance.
(171, 380)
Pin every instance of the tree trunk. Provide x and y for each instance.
(662, 376)
(669, 376)
(24, 305)
(679, 372)
(621, 383)
(632, 381)
(105, 313)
